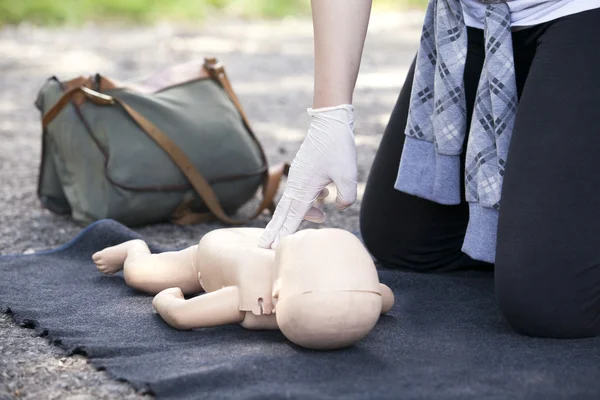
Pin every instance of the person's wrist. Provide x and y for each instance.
(331, 96)
(347, 107)
(342, 113)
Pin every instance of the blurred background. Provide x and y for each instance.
(148, 11)
(266, 47)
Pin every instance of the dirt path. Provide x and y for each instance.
(270, 66)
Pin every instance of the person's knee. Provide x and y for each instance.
(372, 239)
(388, 250)
(548, 320)
(402, 249)
(540, 307)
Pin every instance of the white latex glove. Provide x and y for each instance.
(328, 154)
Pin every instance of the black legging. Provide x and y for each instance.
(547, 271)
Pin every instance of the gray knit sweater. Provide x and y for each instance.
(437, 125)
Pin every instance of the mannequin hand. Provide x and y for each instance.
(328, 154)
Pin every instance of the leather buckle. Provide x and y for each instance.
(96, 97)
(214, 67)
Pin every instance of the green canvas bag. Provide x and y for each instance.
(175, 146)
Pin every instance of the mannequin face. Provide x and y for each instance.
(326, 289)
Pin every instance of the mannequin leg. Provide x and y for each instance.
(148, 272)
(211, 309)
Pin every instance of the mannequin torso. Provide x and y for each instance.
(231, 257)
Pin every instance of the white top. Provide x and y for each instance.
(528, 12)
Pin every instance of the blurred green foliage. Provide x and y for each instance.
(146, 11)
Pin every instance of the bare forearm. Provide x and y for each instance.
(328, 153)
(340, 28)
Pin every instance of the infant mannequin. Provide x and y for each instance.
(319, 287)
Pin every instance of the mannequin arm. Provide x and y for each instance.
(340, 28)
(211, 309)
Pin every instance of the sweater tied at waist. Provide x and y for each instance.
(437, 123)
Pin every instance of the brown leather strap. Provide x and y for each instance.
(94, 96)
(183, 214)
(216, 71)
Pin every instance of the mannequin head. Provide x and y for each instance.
(328, 297)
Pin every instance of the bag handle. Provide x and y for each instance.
(183, 214)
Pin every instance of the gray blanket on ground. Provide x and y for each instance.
(444, 339)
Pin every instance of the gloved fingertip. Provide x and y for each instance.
(315, 215)
(342, 204)
(323, 194)
(346, 193)
(265, 243)
(266, 239)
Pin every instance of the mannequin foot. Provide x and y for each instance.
(111, 259)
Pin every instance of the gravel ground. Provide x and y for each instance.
(270, 66)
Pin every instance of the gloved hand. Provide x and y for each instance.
(328, 154)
